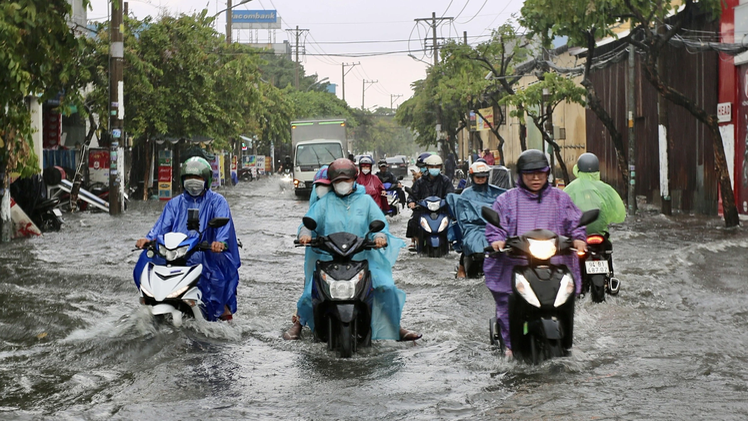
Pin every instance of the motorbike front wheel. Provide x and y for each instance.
(345, 341)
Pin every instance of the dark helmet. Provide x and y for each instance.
(199, 167)
(422, 157)
(365, 160)
(588, 162)
(382, 163)
(342, 169)
(532, 160)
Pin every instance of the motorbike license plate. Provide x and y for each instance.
(57, 212)
(596, 266)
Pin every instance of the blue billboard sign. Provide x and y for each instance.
(254, 16)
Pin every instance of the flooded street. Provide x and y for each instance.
(75, 343)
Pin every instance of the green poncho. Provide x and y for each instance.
(588, 192)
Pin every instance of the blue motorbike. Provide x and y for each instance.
(433, 222)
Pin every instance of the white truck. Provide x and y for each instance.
(315, 143)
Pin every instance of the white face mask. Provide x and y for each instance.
(343, 187)
(194, 186)
(321, 190)
(366, 170)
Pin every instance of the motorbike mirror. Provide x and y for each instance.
(309, 223)
(491, 216)
(588, 217)
(376, 226)
(218, 222)
(399, 178)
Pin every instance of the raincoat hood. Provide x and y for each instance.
(589, 192)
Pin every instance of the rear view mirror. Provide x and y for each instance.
(491, 216)
(218, 222)
(588, 217)
(376, 226)
(309, 223)
(399, 178)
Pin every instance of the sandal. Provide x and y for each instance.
(409, 335)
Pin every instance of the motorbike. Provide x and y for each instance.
(597, 275)
(541, 306)
(168, 285)
(342, 292)
(434, 221)
(286, 181)
(392, 199)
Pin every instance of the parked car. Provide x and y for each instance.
(398, 165)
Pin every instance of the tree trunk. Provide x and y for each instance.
(147, 176)
(556, 150)
(6, 224)
(730, 210)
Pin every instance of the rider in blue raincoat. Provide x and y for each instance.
(220, 276)
(351, 210)
(466, 208)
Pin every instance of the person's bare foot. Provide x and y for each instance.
(461, 272)
(409, 335)
(294, 332)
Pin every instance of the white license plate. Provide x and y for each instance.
(57, 212)
(596, 266)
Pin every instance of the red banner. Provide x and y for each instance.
(164, 174)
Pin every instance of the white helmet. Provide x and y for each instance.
(433, 160)
(480, 169)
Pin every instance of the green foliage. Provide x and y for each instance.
(557, 89)
(39, 54)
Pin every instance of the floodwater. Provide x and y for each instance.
(75, 344)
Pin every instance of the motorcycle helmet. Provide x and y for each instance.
(365, 160)
(479, 169)
(588, 162)
(532, 160)
(199, 167)
(421, 158)
(382, 163)
(433, 161)
(342, 169)
(321, 176)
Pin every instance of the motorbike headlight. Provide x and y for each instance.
(170, 255)
(443, 225)
(542, 249)
(425, 225)
(342, 290)
(145, 291)
(178, 292)
(525, 290)
(565, 290)
(433, 206)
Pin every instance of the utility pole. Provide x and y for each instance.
(229, 17)
(351, 65)
(363, 92)
(393, 96)
(435, 46)
(116, 102)
(298, 33)
(630, 99)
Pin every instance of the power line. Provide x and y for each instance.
(478, 13)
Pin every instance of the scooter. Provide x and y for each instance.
(167, 285)
(392, 199)
(434, 220)
(342, 292)
(541, 307)
(286, 181)
(597, 275)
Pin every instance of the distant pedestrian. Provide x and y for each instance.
(488, 156)
(450, 166)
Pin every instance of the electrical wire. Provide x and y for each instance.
(478, 13)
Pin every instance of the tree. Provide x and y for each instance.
(584, 22)
(655, 24)
(39, 53)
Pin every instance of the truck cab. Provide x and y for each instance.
(315, 143)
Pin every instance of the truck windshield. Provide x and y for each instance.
(317, 154)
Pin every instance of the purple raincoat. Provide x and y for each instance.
(520, 211)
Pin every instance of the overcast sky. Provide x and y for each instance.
(341, 31)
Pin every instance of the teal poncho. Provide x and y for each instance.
(588, 192)
(353, 213)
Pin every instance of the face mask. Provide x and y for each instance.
(194, 186)
(423, 169)
(366, 170)
(434, 171)
(343, 187)
(321, 190)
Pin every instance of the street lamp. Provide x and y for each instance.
(317, 83)
(228, 17)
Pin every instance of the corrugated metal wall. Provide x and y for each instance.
(693, 180)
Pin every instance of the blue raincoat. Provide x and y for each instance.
(353, 213)
(220, 276)
(466, 208)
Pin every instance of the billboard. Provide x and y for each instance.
(480, 124)
(255, 19)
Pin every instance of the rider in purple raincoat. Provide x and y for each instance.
(533, 204)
